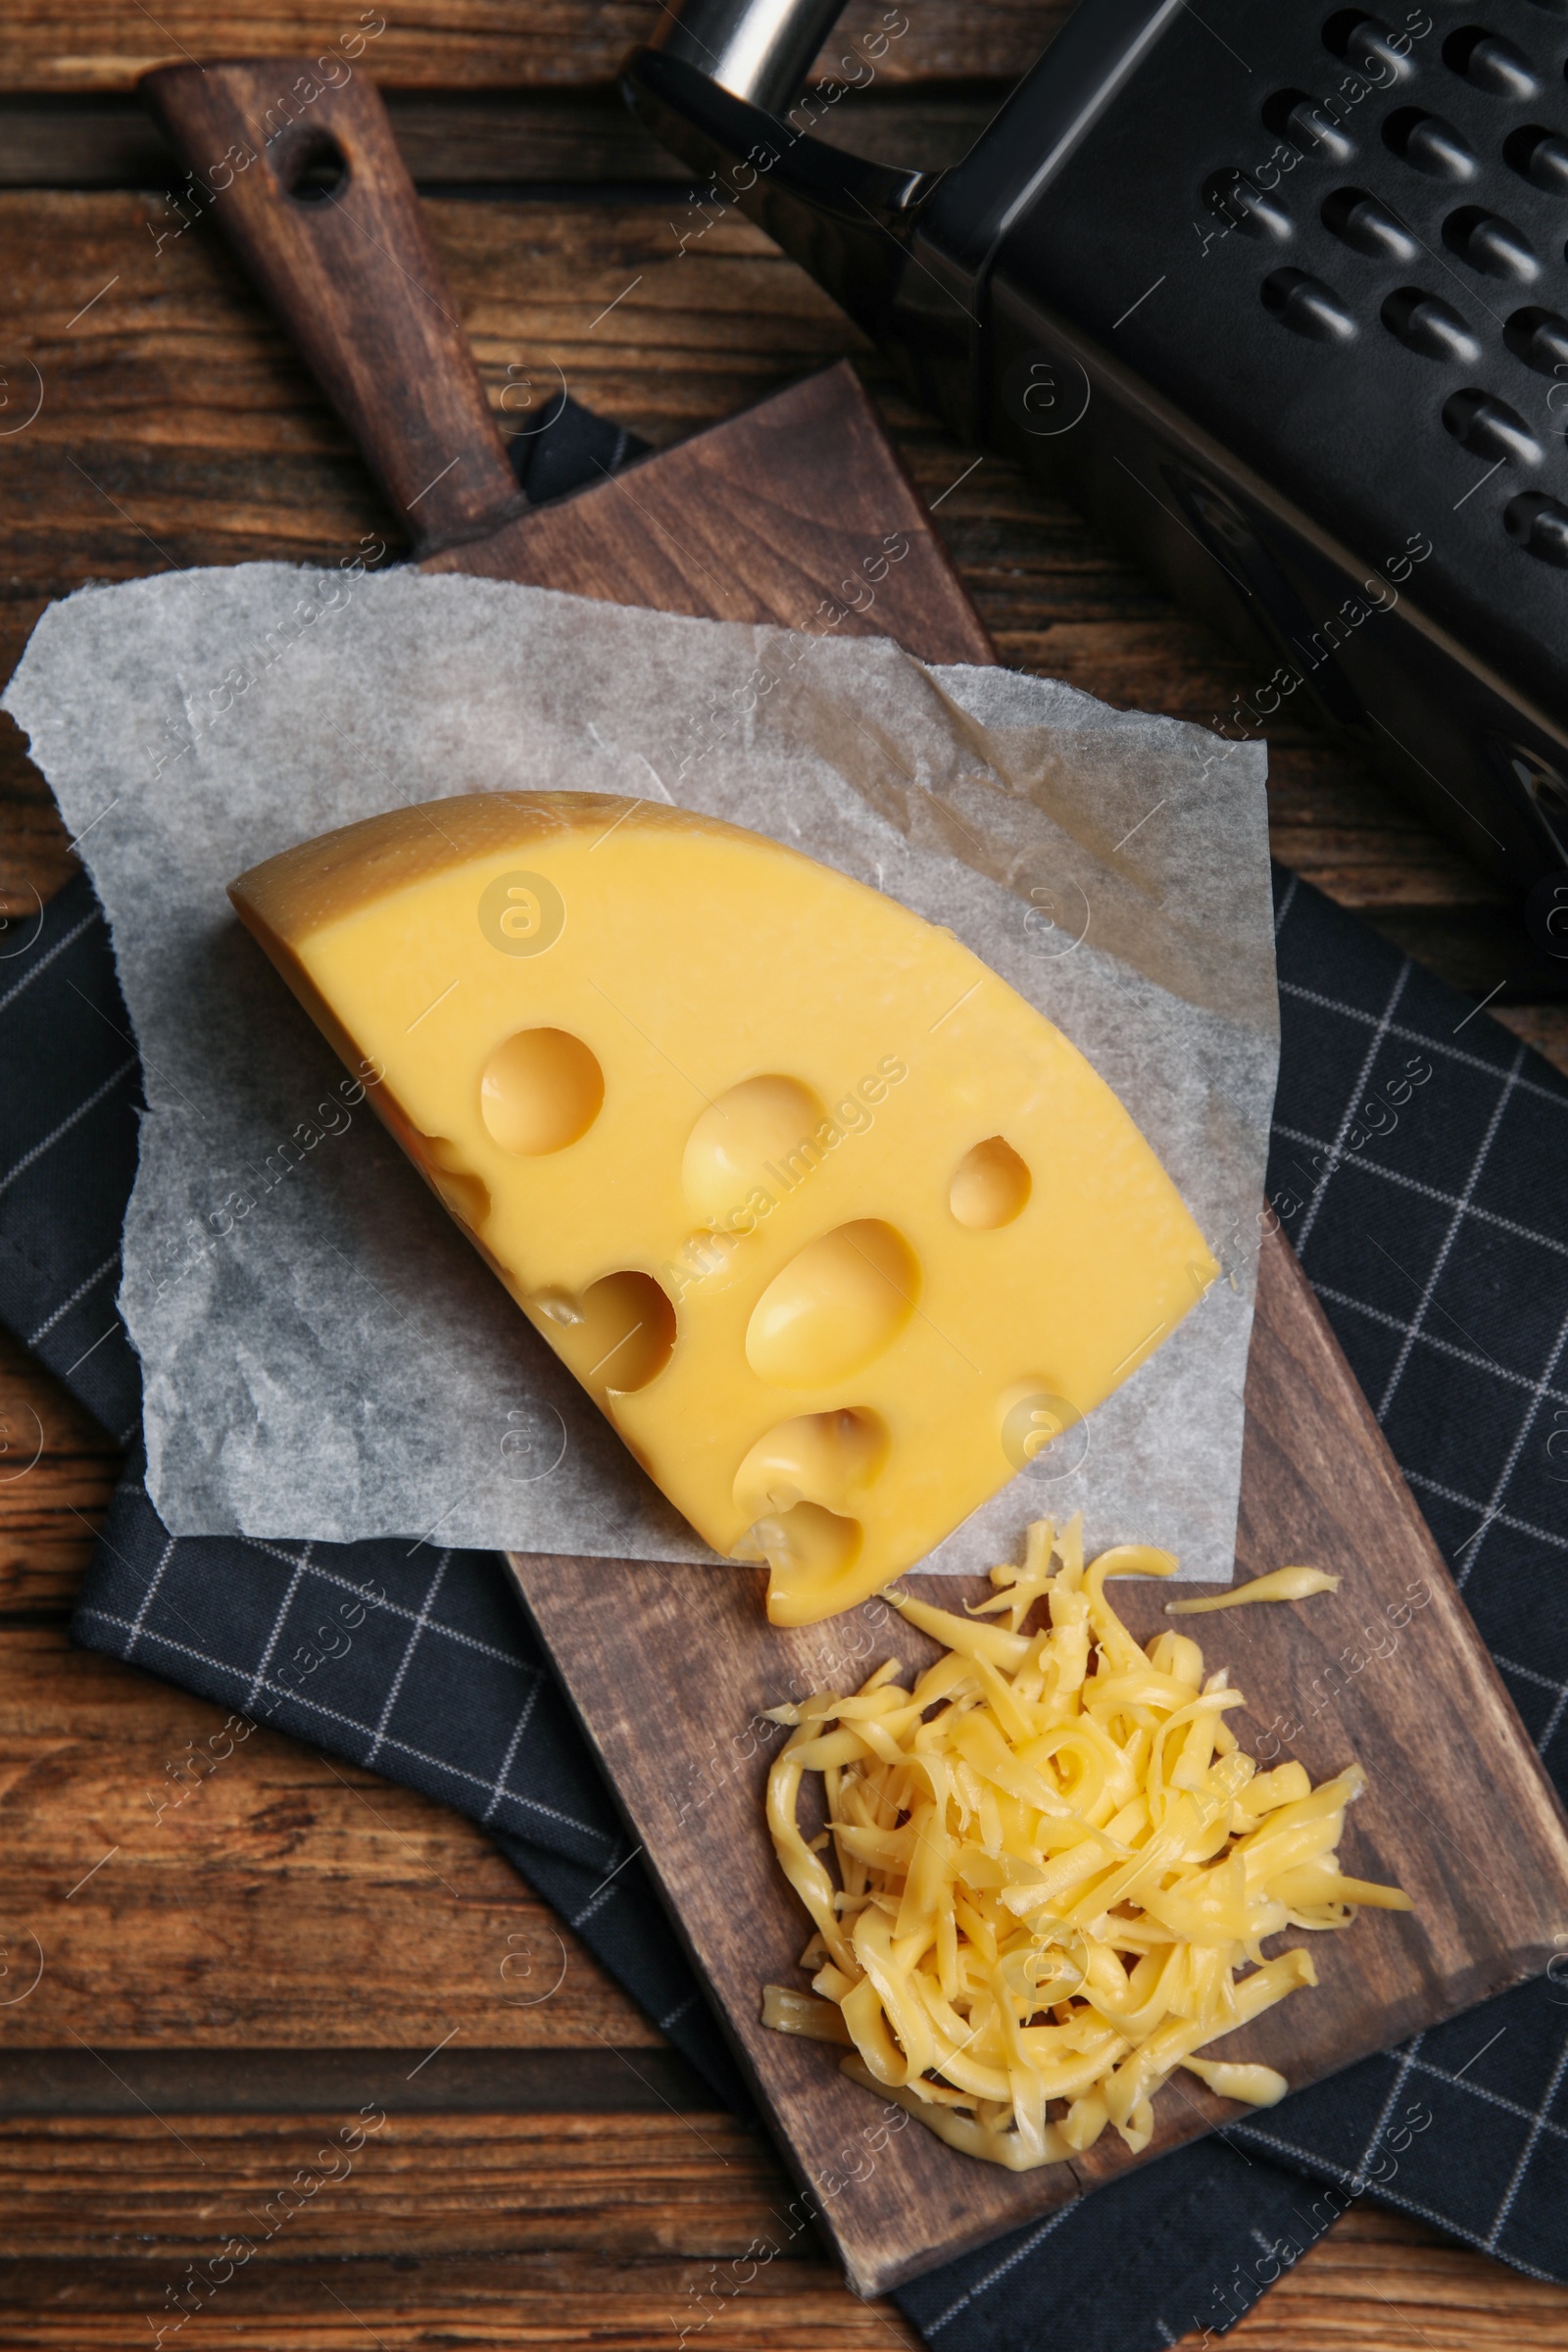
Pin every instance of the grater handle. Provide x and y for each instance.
(847, 220)
(758, 50)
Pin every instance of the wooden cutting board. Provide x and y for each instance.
(788, 513)
(668, 1666)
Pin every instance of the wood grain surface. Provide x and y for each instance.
(470, 44)
(1376, 2285)
(483, 139)
(178, 427)
(784, 514)
(288, 1892)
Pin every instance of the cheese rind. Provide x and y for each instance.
(810, 1201)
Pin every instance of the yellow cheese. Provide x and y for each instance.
(834, 1227)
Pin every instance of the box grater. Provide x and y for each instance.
(1279, 297)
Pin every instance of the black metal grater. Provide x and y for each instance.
(1280, 296)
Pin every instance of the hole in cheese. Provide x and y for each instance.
(836, 1304)
(762, 1125)
(991, 1185)
(540, 1091)
(619, 1335)
(816, 1457)
(809, 1546)
(462, 1193)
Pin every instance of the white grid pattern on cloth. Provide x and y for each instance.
(283, 1691)
(1335, 1150)
(606, 1891)
(1489, 1513)
(1427, 1192)
(1537, 2125)
(399, 1608)
(524, 1718)
(1492, 2098)
(1407, 2059)
(1504, 1476)
(1536, 2119)
(1390, 2194)
(1461, 1204)
(133, 1625)
(1418, 1037)
(432, 1593)
(284, 1606)
(1431, 1339)
(1444, 1247)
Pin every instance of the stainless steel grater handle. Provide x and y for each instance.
(758, 50)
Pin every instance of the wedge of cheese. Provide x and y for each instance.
(834, 1227)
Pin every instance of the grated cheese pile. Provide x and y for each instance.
(1056, 1869)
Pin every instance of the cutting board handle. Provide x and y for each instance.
(306, 179)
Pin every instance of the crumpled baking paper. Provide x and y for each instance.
(323, 1354)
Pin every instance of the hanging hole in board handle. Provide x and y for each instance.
(312, 168)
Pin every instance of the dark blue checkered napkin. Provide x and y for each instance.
(1418, 1163)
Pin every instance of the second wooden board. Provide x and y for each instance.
(669, 1668)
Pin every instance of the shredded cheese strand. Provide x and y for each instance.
(1281, 1584)
(1054, 1869)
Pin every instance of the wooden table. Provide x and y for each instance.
(233, 1981)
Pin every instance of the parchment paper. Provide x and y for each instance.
(323, 1354)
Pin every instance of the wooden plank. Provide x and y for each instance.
(470, 44)
(564, 516)
(274, 477)
(560, 2230)
(630, 2302)
(170, 2189)
(1460, 1812)
(1374, 2282)
(57, 1472)
(188, 300)
(287, 1898)
(473, 138)
(479, 138)
(39, 2087)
